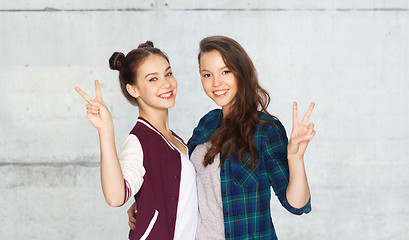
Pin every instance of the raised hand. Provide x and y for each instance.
(97, 112)
(301, 133)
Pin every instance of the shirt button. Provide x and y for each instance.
(171, 220)
(224, 192)
(174, 198)
(228, 234)
(176, 177)
(227, 214)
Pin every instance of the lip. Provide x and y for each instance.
(166, 93)
(223, 91)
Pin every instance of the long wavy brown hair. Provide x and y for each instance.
(236, 134)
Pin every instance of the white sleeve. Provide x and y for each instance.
(131, 161)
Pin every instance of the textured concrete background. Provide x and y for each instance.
(350, 57)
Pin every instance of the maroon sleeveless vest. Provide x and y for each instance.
(157, 200)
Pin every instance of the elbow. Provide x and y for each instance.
(298, 201)
(114, 202)
(298, 205)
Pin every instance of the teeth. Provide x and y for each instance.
(220, 92)
(165, 95)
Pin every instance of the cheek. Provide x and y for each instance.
(174, 82)
(203, 84)
(206, 85)
(233, 82)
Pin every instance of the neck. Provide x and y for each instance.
(158, 118)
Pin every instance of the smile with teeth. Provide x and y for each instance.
(167, 95)
(220, 93)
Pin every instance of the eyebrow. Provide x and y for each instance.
(204, 70)
(155, 73)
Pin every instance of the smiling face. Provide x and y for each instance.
(155, 86)
(218, 81)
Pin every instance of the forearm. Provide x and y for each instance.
(112, 180)
(298, 191)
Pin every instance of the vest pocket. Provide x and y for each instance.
(150, 226)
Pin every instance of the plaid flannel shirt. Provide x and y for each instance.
(246, 194)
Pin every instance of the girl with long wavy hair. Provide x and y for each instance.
(240, 151)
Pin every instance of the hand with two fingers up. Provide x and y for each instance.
(301, 134)
(97, 112)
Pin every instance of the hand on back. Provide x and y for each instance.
(97, 112)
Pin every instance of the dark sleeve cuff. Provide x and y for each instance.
(297, 211)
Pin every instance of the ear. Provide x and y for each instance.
(132, 90)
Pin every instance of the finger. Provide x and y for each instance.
(311, 136)
(92, 107)
(96, 103)
(90, 111)
(308, 113)
(131, 225)
(131, 216)
(310, 127)
(98, 90)
(83, 94)
(295, 114)
(131, 212)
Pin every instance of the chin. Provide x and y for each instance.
(220, 103)
(170, 105)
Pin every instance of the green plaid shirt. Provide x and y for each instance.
(246, 194)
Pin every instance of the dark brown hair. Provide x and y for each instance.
(129, 64)
(236, 134)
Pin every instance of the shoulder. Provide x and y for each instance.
(207, 125)
(270, 127)
(210, 121)
(269, 122)
(143, 132)
(130, 147)
(139, 127)
(210, 117)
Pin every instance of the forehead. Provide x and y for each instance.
(153, 64)
(211, 60)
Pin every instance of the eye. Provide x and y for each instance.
(226, 72)
(169, 74)
(153, 79)
(206, 75)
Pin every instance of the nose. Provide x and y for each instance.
(216, 81)
(166, 83)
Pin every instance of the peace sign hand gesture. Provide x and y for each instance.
(97, 112)
(301, 133)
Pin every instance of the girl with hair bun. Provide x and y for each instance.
(152, 165)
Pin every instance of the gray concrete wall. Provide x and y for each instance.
(350, 57)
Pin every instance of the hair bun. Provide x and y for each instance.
(147, 44)
(115, 62)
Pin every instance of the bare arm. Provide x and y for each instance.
(112, 180)
(298, 191)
